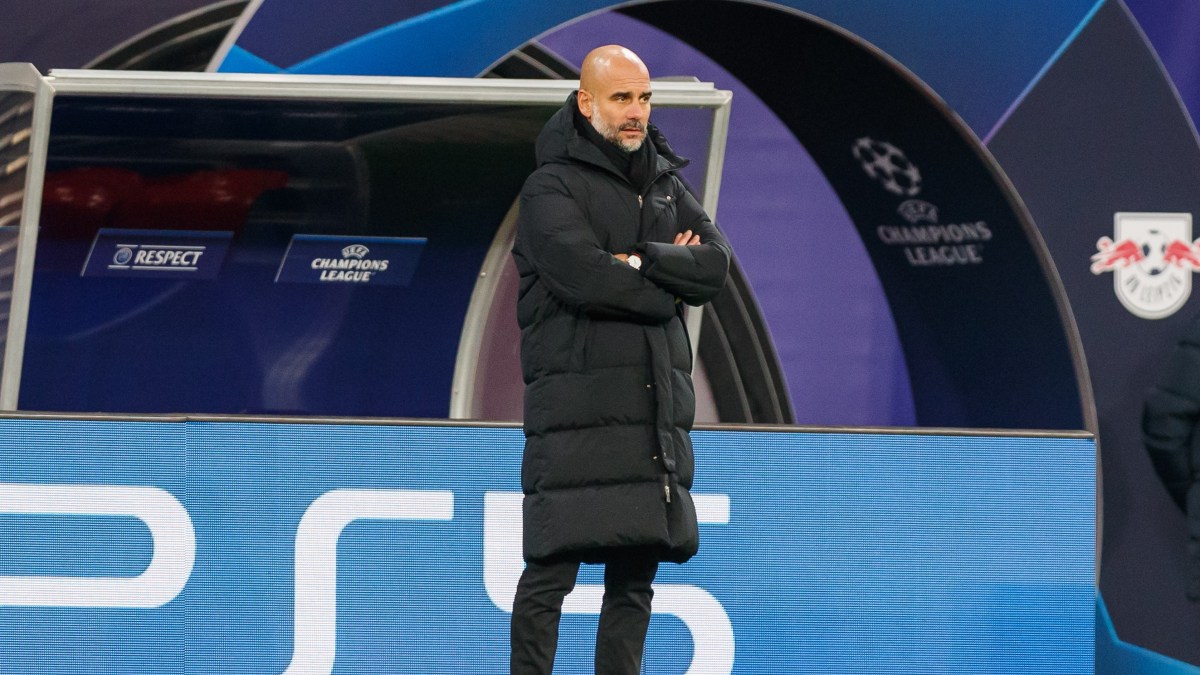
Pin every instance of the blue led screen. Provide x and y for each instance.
(250, 547)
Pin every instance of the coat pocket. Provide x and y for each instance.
(579, 346)
(664, 222)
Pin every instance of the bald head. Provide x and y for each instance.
(608, 61)
(614, 95)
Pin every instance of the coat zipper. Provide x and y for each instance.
(667, 488)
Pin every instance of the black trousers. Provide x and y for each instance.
(624, 614)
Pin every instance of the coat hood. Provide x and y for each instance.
(560, 142)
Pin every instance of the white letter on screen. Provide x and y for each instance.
(171, 534)
(315, 638)
(705, 618)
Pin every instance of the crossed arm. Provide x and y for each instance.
(685, 238)
(694, 266)
(556, 242)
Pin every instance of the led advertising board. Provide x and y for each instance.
(172, 546)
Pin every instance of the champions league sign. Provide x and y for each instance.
(320, 259)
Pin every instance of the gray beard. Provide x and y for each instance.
(613, 134)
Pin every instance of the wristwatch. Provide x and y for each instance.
(635, 261)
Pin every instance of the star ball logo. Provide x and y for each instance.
(924, 240)
(1152, 258)
(887, 164)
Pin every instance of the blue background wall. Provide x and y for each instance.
(987, 62)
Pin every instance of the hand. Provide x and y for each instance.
(687, 238)
(623, 257)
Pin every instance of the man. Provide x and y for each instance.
(1171, 431)
(609, 245)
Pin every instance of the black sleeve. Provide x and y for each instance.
(693, 273)
(555, 238)
(1167, 423)
(1170, 416)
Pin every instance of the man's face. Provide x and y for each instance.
(620, 105)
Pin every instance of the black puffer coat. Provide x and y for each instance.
(1171, 429)
(605, 355)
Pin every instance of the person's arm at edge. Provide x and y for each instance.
(1170, 417)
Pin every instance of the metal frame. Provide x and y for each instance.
(358, 87)
(477, 424)
(463, 397)
(24, 77)
(288, 86)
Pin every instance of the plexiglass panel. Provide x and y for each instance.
(264, 256)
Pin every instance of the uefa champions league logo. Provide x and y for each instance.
(1152, 258)
(887, 164)
(918, 211)
(355, 251)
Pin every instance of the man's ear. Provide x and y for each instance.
(584, 100)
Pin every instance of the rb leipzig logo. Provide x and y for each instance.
(1152, 258)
